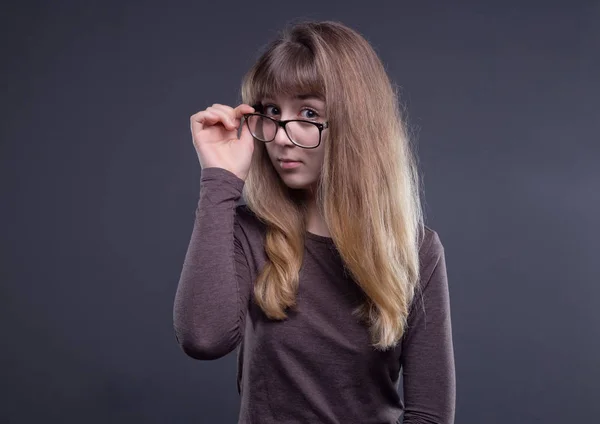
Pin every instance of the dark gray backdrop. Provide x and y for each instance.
(100, 182)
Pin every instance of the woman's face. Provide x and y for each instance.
(305, 173)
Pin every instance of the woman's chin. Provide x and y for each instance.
(295, 183)
(297, 186)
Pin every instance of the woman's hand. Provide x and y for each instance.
(214, 132)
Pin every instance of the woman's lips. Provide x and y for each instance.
(289, 164)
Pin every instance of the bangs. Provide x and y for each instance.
(286, 70)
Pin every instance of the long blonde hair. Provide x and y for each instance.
(369, 188)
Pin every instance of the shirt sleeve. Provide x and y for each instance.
(214, 286)
(427, 350)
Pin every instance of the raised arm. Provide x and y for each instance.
(427, 350)
(214, 286)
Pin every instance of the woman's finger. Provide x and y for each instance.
(242, 109)
(225, 117)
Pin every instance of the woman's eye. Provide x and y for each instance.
(305, 113)
(311, 114)
(271, 110)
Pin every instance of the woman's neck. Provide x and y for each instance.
(314, 220)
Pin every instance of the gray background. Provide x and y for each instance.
(100, 181)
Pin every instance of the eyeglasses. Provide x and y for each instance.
(305, 134)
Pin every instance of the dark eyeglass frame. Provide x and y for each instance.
(320, 125)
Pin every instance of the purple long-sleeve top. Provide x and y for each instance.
(318, 365)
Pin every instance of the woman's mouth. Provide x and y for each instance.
(289, 164)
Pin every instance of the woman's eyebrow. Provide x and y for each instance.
(308, 96)
(316, 100)
(299, 97)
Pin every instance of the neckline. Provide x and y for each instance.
(319, 238)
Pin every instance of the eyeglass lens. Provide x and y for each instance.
(302, 133)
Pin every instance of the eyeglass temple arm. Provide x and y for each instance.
(239, 132)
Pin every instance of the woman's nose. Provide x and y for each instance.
(281, 136)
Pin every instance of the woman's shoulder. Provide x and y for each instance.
(246, 215)
(431, 247)
(248, 223)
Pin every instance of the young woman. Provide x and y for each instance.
(327, 279)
